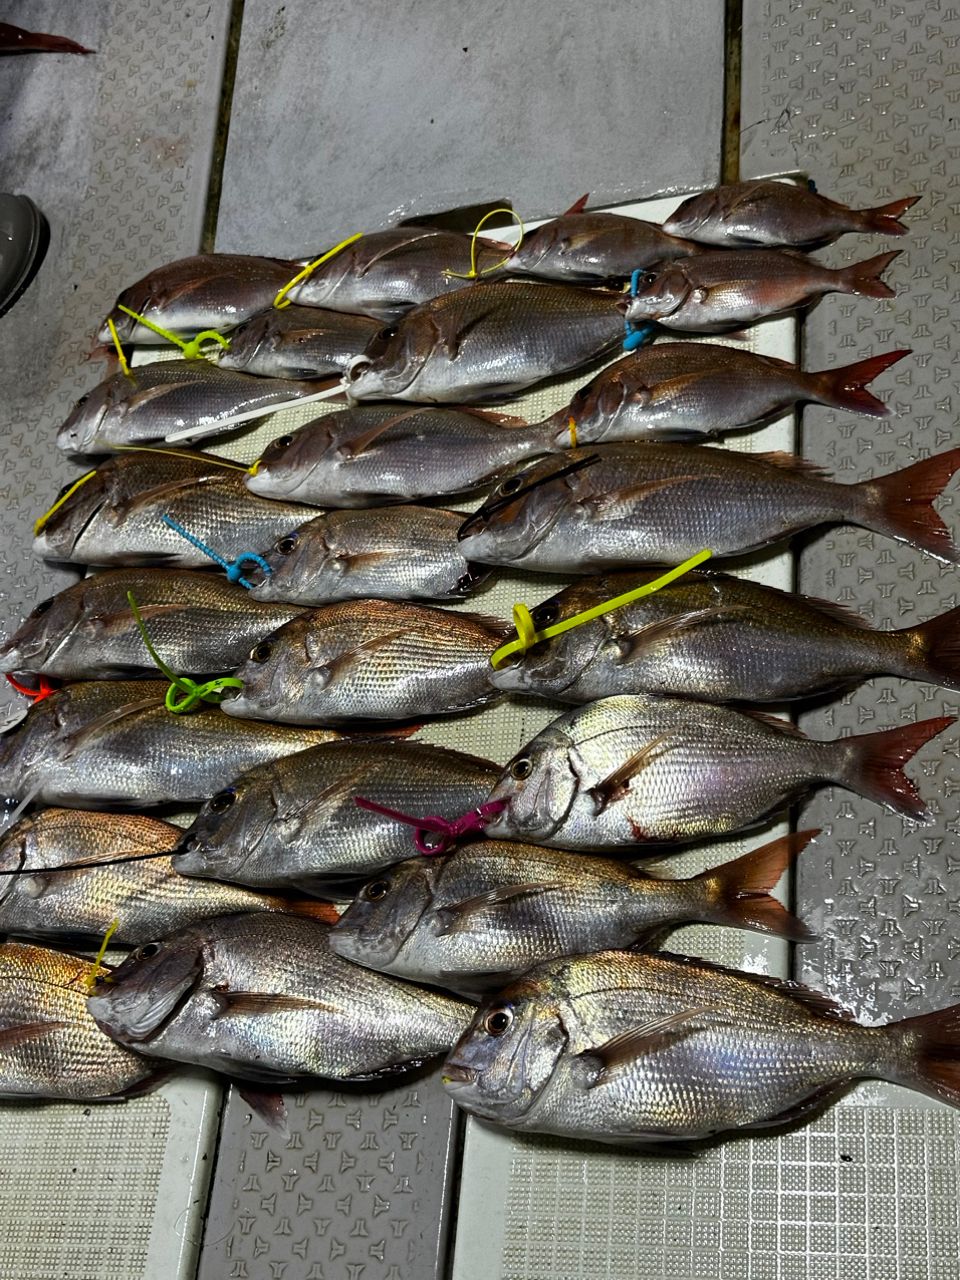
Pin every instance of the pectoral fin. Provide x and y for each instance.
(620, 1053)
(616, 785)
(12, 1037)
(257, 1003)
(356, 445)
(462, 916)
(359, 653)
(621, 502)
(634, 642)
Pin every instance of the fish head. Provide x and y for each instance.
(538, 247)
(302, 565)
(80, 431)
(538, 787)
(384, 914)
(596, 407)
(231, 829)
(17, 844)
(60, 532)
(135, 1002)
(292, 665)
(508, 1054)
(694, 213)
(551, 665)
(48, 625)
(246, 342)
(35, 737)
(661, 291)
(393, 358)
(517, 516)
(288, 460)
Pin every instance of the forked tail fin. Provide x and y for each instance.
(927, 1053)
(901, 504)
(872, 765)
(846, 388)
(885, 218)
(864, 277)
(932, 650)
(738, 892)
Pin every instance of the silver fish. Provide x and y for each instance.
(112, 517)
(50, 1047)
(691, 391)
(298, 342)
(625, 504)
(778, 214)
(628, 770)
(369, 660)
(373, 454)
(296, 823)
(626, 1048)
(393, 553)
(198, 622)
(386, 273)
(264, 998)
(487, 342)
(113, 741)
(585, 247)
(722, 639)
(208, 291)
(489, 912)
(121, 874)
(155, 401)
(716, 292)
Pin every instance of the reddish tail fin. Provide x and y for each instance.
(738, 893)
(902, 504)
(864, 277)
(927, 1053)
(846, 388)
(872, 764)
(885, 218)
(933, 650)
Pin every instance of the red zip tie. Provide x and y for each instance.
(448, 831)
(35, 695)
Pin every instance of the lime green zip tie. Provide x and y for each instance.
(473, 273)
(528, 635)
(97, 970)
(211, 691)
(191, 350)
(281, 300)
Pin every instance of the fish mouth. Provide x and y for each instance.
(11, 657)
(454, 1076)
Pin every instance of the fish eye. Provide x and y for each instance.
(498, 1020)
(281, 442)
(521, 768)
(261, 652)
(376, 890)
(42, 608)
(386, 334)
(222, 801)
(511, 485)
(284, 546)
(82, 401)
(544, 615)
(146, 952)
(648, 278)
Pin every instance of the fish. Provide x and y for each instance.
(368, 660)
(647, 1048)
(776, 215)
(198, 622)
(691, 391)
(17, 40)
(294, 823)
(217, 291)
(298, 342)
(590, 247)
(627, 504)
(636, 769)
(50, 1046)
(373, 454)
(719, 291)
(123, 874)
(722, 639)
(264, 998)
(154, 401)
(480, 917)
(111, 516)
(393, 553)
(114, 742)
(387, 273)
(487, 342)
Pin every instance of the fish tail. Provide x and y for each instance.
(872, 765)
(885, 218)
(932, 650)
(901, 504)
(864, 277)
(738, 892)
(846, 388)
(926, 1053)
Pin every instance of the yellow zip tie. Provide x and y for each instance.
(174, 453)
(573, 432)
(94, 973)
(281, 300)
(252, 471)
(193, 693)
(64, 497)
(191, 350)
(116, 342)
(528, 635)
(473, 273)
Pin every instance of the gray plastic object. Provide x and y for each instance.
(23, 238)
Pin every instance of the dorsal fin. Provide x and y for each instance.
(838, 613)
(578, 206)
(790, 462)
(810, 999)
(774, 722)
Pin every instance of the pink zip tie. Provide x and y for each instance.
(448, 831)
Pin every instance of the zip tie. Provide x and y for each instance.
(116, 342)
(573, 432)
(191, 350)
(173, 453)
(473, 273)
(232, 568)
(492, 506)
(281, 300)
(98, 966)
(636, 335)
(44, 689)
(211, 691)
(252, 471)
(528, 635)
(448, 830)
(222, 423)
(64, 497)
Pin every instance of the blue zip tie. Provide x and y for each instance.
(232, 568)
(636, 335)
